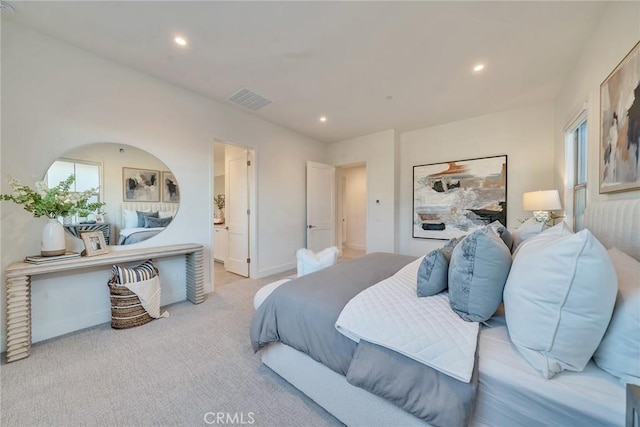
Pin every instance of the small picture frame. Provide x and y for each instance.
(94, 243)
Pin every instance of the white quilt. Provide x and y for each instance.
(391, 315)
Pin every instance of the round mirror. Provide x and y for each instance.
(140, 194)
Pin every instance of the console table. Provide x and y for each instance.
(18, 291)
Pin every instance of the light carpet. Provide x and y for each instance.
(168, 372)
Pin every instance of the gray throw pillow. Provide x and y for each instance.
(434, 270)
(478, 271)
(142, 215)
(151, 222)
(504, 234)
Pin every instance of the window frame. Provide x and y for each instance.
(100, 195)
(572, 162)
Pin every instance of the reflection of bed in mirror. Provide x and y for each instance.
(137, 227)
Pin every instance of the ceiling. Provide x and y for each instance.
(367, 66)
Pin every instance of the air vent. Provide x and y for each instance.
(6, 8)
(248, 99)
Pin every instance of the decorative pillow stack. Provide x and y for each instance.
(478, 270)
(619, 351)
(559, 298)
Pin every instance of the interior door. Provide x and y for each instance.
(237, 217)
(320, 206)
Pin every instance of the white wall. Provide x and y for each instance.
(56, 97)
(378, 152)
(525, 135)
(356, 206)
(617, 32)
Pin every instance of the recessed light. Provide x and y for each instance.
(478, 67)
(181, 41)
(323, 119)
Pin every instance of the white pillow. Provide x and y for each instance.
(130, 219)
(558, 299)
(527, 229)
(166, 214)
(619, 351)
(308, 262)
(542, 238)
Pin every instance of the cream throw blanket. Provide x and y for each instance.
(149, 293)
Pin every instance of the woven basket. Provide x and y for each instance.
(126, 309)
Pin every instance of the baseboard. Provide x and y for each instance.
(275, 270)
(63, 327)
(357, 247)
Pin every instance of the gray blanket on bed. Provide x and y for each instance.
(302, 314)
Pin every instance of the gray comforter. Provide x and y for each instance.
(302, 314)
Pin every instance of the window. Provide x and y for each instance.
(87, 175)
(577, 171)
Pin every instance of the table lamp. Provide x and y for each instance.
(541, 203)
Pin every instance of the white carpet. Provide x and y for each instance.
(169, 372)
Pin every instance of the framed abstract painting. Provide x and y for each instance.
(620, 126)
(140, 185)
(170, 188)
(452, 199)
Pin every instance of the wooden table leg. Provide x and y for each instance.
(195, 276)
(18, 317)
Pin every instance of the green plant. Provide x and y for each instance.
(219, 201)
(51, 202)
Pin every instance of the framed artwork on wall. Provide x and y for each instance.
(451, 199)
(140, 185)
(620, 126)
(170, 188)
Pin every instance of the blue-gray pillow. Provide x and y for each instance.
(151, 222)
(432, 274)
(434, 270)
(478, 271)
(143, 215)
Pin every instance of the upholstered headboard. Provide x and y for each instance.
(616, 223)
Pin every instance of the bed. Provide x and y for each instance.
(507, 390)
(132, 229)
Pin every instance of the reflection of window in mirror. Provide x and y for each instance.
(87, 175)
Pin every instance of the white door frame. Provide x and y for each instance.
(253, 206)
(339, 201)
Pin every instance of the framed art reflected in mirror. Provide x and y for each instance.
(140, 185)
(170, 188)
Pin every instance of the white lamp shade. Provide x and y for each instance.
(547, 200)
